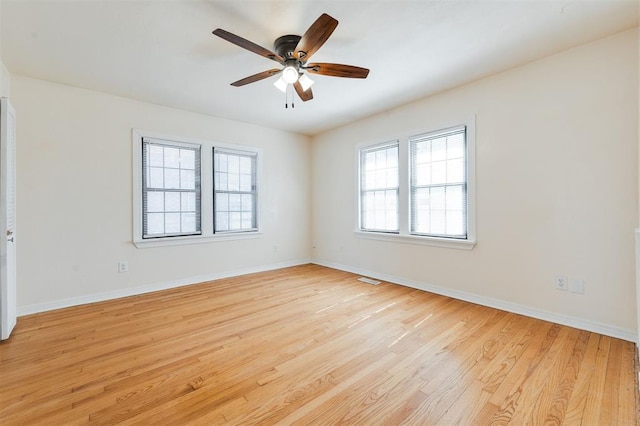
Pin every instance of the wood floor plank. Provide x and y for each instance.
(308, 345)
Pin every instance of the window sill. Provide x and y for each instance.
(414, 239)
(195, 239)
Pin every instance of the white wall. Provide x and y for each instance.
(557, 187)
(5, 80)
(4, 73)
(74, 172)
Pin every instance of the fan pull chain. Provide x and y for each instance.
(286, 97)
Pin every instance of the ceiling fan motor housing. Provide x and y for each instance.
(285, 46)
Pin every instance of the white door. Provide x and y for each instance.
(7, 218)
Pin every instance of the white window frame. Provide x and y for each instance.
(414, 186)
(384, 145)
(404, 208)
(196, 190)
(253, 192)
(206, 186)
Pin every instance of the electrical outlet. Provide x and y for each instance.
(123, 266)
(561, 283)
(576, 285)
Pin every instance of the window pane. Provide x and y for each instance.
(172, 202)
(245, 165)
(155, 201)
(233, 181)
(187, 179)
(234, 164)
(423, 174)
(369, 181)
(156, 178)
(222, 221)
(370, 161)
(437, 222)
(423, 152)
(172, 223)
(392, 177)
(171, 157)
(392, 157)
(455, 170)
(245, 182)
(222, 202)
(188, 200)
(369, 201)
(247, 220)
(247, 202)
(155, 223)
(439, 149)
(235, 202)
(381, 159)
(221, 182)
(223, 162)
(455, 223)
(437, 198)
(438, 172)
(171, 179)
(187, 159)
(381, 178)
(455, 146)
(188, 222)
(156, 155)
(235, 221)
(455, 198)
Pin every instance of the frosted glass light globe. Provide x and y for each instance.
(290, 74)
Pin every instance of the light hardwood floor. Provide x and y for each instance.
(308, 345)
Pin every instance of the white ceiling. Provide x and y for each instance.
(163, 51)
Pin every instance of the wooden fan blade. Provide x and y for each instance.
(337, 70)
(305, 96)
(315, 36)
(256, 77)
(249, 45)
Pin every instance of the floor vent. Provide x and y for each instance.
(368, 281)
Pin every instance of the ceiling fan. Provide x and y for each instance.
(293, 52)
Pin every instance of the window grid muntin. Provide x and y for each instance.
(247, 196)
(392, 191)
(147, 189)
(462, 184)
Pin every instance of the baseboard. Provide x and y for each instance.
(503, 305)
(116, 294)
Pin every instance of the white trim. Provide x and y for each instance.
(580, 323)
(418, 240)
(148, 288)
(637, 237)
(196, 239)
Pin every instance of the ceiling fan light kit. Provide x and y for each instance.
(293, 52)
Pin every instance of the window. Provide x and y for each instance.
(188, 191)
(420, 189)
(170, 188)
(438, 193)
(379, 188)
(235, 190)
